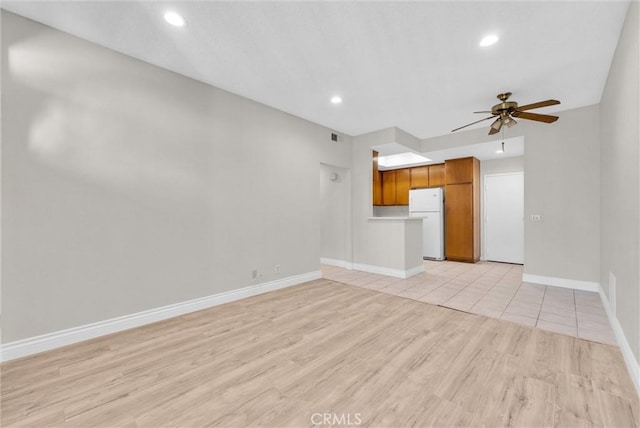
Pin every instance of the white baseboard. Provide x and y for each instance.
(380, 270)
(335, 262)
(414, 271)
(629, 359)
(45, 342)
(396, 273)
(561, 282)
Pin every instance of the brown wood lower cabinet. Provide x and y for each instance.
(459, 224)
(462, 210)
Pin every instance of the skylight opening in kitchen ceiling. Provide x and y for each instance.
(401, 159)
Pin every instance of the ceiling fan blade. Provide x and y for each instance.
(484, 111)
(546, 118)
(473, 123)
(496, 126)
(538, 105)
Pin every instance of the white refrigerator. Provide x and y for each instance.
(429, 204)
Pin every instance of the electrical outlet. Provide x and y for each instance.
(537, 217)
(254, 274)
(277, 269)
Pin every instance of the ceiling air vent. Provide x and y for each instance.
(334, 137)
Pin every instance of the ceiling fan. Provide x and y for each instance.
(506, 111)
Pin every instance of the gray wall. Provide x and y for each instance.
(501, 166)
(362, 203)
(127, 187)
(373, 243)
(619, 161)
(561, 182)
(335, 213)
(561, 164)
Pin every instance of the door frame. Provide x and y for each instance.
(483, 255)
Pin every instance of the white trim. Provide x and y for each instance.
(632, 364)
(335, 262)
(396, 273)
(414, 271)
(561, 282)
(45, 342)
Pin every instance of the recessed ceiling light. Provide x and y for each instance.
(174, 19)
(336, 100)
(489, 40)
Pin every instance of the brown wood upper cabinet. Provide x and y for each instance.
(403, 179)
(377, 181)
(389, 187)
(459, 170)
(395, 187)
(427, 176)
(392, 187)
(419, 177)
(436, 175)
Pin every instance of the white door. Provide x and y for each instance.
(504, 217)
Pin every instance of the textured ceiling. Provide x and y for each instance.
(414, 65)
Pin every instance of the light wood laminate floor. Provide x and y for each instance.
(357, 355)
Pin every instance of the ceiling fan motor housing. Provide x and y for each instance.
(505, 106)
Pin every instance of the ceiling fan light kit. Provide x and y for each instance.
(506, 111)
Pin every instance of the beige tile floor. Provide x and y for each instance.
(495, 290)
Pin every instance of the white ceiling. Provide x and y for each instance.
(414, 65)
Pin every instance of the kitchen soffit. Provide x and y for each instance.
(484, 151)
